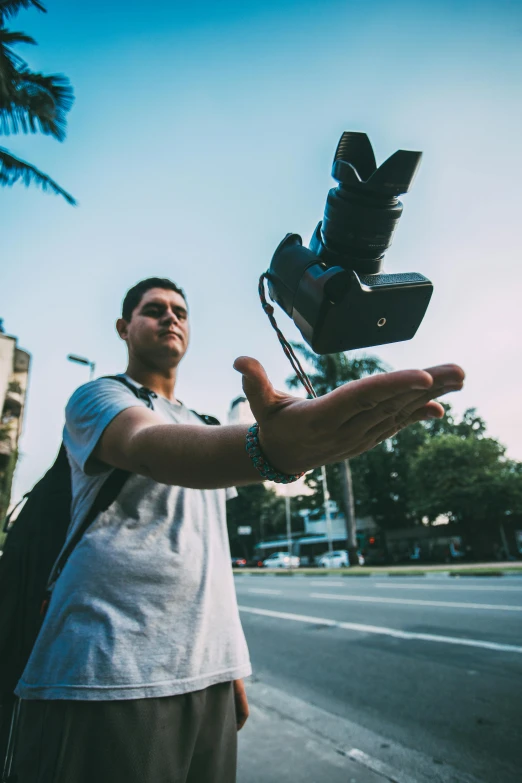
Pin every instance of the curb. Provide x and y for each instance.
(345, 573)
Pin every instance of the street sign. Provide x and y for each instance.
(244, 530)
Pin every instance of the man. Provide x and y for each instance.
(137, 674)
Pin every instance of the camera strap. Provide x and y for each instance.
(287, 348)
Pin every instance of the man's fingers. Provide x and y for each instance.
(430, 411)
(447, 374)
(386, 429)
(352, 441)
(402, 406)
(345, 402)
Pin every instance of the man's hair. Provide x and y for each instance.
(134, 295)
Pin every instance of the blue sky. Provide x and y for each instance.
(201, 134)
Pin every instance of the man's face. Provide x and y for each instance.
(158, 331)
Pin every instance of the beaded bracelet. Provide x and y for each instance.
(261, 463)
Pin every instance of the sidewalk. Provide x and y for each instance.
(274, 748)
(289, 740)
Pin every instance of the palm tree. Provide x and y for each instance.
(329, 372)
(30, 102)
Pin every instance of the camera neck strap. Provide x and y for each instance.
(287, 348)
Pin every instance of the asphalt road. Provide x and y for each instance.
(429, 668)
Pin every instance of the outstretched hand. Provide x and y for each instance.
(297, 435)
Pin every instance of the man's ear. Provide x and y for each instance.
(122, 327)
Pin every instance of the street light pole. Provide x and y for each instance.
(288, 528)
(326, 501)
(82, 360)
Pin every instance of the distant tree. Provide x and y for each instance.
(467, 479)
(30, 102)
(384, 474)
(327, 373)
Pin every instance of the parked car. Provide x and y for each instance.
(281, 560)
(238, 562)
(337, 559)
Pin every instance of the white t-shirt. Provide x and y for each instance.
(145, 605)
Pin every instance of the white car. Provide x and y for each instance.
(337, 559)
(281, 560)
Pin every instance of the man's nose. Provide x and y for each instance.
(170, 317)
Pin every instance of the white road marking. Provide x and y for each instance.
(378, 766)
(264, 591)
(415, 602)
(454, 587)
(327, 584)
(383, 631)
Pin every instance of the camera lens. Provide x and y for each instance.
(359, 226)
(361, 213)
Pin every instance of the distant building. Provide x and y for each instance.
(14, 376)
(240, 412)
(315, 525)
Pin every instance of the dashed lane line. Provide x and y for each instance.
(414, 602)
(383, 631)
(454, 587)
(264, 591)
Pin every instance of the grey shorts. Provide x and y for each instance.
(191, 738)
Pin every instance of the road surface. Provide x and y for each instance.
(424, 674)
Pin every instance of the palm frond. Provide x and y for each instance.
(13, 169)
(10, 62)
(36, 103)
(10, 37)
(12, 7)
(333, 370)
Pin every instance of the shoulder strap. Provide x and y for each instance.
(109, 490)
(7, 521)
(207, 419)
(116, 481)
(148, 395)
(141, 392)
(107, 494)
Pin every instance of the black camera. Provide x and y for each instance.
(336, 292)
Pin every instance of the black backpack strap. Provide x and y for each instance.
(141, 392)
(107, 494)
(207, 419)
(7, 522)
(116, 481)
(109, 490)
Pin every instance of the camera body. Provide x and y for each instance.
(336, 292)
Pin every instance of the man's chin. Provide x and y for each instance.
(173, 352)
(166, 356)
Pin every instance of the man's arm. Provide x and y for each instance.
(187, 455)
(295, 434)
